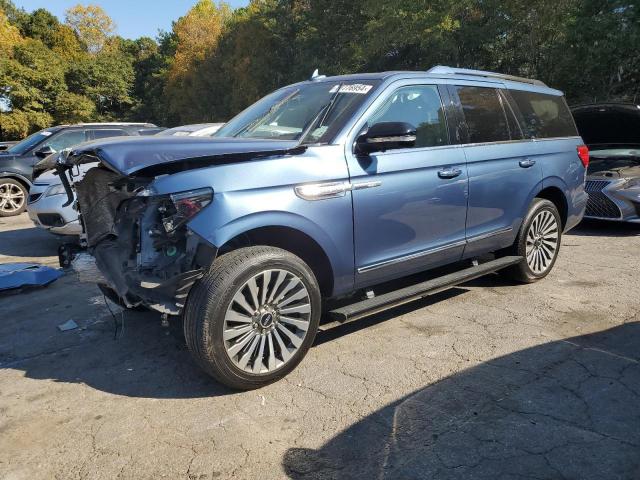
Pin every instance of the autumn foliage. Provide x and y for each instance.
(215, 61)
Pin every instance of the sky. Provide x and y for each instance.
(133, 18)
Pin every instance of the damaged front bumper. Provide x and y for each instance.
(138, 243)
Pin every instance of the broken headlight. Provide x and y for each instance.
(183, 207)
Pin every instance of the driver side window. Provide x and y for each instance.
(420, 106)
(65, 140)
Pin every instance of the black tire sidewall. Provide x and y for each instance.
(25, 191)
(216, 359)
(537, 206)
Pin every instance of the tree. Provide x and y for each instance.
(92, 25)
(197, 35)
(9, 36)
(30, 82)
(41, 25)
(106, 79)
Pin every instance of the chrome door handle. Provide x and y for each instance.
(449, 172)
(527, 162)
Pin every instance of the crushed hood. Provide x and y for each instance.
(138, 156)
(608, 123)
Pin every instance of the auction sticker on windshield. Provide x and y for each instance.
(360, 88)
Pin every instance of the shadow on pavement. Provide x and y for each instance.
(142, 360)
(566, 409)
(29, 242)
(602, 228)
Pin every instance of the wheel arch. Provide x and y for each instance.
(293, 240)
(16, 176)
(556, 196)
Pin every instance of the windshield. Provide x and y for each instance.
(29, 142)
(612, 159)
(309, 113)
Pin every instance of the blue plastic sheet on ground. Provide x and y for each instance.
(16, 275)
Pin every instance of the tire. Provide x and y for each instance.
(538, 242)
(13, 197)
(253, 316)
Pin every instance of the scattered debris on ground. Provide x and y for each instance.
(19, 275)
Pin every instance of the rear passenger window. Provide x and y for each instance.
(106, 133)
(420, 106)
(488, 118)
(544, 116)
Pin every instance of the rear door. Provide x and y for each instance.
(502, 167)
(546, 119)
(409, 204)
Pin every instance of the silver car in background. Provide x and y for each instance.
(194, 130)
(47, 198)
(46, 206)
(612, 133)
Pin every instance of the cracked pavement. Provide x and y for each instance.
(490, 380)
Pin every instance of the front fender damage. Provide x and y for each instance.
(129, 250)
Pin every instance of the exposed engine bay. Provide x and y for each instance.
(140, 242)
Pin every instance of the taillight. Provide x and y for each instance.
(185, 206)
(583, 153)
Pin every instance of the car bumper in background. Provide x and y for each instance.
(608, 200)
(50, 214)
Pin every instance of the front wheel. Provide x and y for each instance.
(538, 242)
(253, 316)
(13, 197)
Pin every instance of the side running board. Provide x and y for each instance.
(411, 293)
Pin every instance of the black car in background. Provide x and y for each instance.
(5, 145)
(612, 133)
(17, 161)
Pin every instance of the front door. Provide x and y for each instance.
(409, 205)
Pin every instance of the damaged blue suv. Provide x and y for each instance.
(311, 201)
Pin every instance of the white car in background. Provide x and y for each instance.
(195, 130)
(45, 206)
(47, 198)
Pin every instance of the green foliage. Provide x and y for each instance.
(105, 79)
(214, 62)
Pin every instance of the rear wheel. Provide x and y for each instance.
(538, 242)
(13, 197)
(252, 318)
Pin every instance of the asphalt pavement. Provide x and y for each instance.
(490, 380)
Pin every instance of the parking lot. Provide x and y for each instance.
(489, 380)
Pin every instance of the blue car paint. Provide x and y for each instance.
(131, 155)
(566, 173)
(495, 174)
(251, 195)
(412, 214)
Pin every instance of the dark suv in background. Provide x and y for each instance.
(16, 162)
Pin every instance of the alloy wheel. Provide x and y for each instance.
(542, 242)
(267, 321)
(12, 198)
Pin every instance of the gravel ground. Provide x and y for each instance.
(489, 380)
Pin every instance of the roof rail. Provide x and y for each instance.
(444, 70)
(112, 124)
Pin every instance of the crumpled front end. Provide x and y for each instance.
(141, 244)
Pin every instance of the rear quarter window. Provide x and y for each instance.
(488, 118)
(106, 133)
(543, 115)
